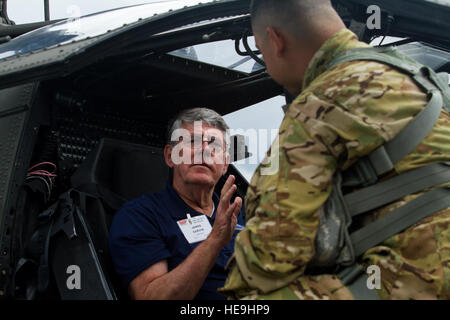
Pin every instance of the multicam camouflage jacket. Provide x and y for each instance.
(341, 115)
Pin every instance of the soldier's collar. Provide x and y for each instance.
(340, 42)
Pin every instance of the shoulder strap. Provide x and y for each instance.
(384, 228)
(383, 193)
(383, 159)
(423, 75)
(355, 279)
(400, 219)
(366, 171)
(386, 55)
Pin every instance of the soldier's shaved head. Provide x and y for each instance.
(289, 33)
(302, 19)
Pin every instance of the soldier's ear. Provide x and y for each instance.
(277, 41)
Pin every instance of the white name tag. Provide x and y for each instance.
(195, 229)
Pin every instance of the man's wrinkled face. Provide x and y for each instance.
(198, 154)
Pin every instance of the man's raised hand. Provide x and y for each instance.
(226, 215)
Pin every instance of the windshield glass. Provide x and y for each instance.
(441, 2)
(259, 124)
(222, 54)
(76, 29)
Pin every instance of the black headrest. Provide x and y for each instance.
(126, 169)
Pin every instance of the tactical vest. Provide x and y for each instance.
(338, 248)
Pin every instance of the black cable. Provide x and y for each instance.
(391, 20)
(248, 50)
(252, 53)
(237, 44)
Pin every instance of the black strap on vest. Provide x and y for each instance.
(401, 218)
(367, 170)
(397, 187)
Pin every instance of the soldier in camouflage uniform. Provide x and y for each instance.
(339, 116)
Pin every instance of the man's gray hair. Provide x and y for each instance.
(209, 116)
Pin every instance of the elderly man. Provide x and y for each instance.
(175, 244)
(297, 243)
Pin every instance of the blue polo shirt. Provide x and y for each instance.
(145, 231)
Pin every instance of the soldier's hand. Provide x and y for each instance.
(226, 214)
